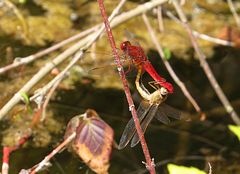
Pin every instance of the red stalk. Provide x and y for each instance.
(7, 151)
(150, 166)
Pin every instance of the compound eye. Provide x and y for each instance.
(124, 45)
(163, 91)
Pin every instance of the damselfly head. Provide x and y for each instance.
(124, 45)
(163, 91)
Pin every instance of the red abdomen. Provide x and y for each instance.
(152, 72)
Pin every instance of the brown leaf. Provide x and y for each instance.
(93, 142)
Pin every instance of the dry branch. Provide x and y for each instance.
(234, 12)
(45, 162)
(168, 66)
(149, 162)
(201, 35)
(70, 51)
(202, 58)
(115, 22)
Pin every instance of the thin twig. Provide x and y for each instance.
(213, 39)
(150, 166)
(168, 66)
(160, 18)
(52, 85)
(234, 12)
(115, 22)
(8, 150)
(60, 76)
(26, 60)
(202, 58)
(48, 97)
(210, 168)
(40, 74)
(86, 42)
(59, 59)
(200, 35)
(42, 92)
(45, 161)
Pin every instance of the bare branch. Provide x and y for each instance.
(210, 168)
(46, 160)
(40, 74)
(26, 60)
(43, 91)
(86, 43)
(168, 66)
(234, 12)
(202, 58)
(48, 97)
(116, 21)
(160, 18)
(149, 164)
(200, 35)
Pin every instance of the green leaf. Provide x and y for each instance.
(174, 169)
(25, 97)
(167, 53)
(235, 129)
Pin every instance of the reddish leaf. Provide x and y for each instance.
(93, 142)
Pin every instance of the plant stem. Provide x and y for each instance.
(71, 50)
(168, 66)
(201, 35)
(8, 150)
(46, 160)
(233, 10)
(150, 166)
(115, 22)
(202, 58)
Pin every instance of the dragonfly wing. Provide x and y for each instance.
(162, 117)
(145, 123)
(170, 111)
(131, 37)
(130, 130)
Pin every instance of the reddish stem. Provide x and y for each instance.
(44, 162)
(8, 150)
(150, 166)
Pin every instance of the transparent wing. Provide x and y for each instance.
(132, 37)
(145, 123)
(162, 117)
(99, 67)
(130, 130)
(170, 111)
